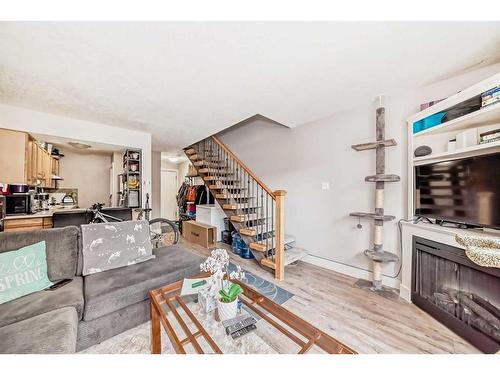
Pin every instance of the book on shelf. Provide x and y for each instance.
(429, 104)
(491, 95)
(489, 140)
(491, 92)
(490, 101)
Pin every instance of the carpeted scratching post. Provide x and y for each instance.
(377, 255)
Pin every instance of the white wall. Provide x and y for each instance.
(87, 172)
(183, 170)
(22, 119)
(300, 159)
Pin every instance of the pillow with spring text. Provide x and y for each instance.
(23, 272)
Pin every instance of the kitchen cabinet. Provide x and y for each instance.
(23, 161)
(47, 168)
(27, 224)
(12, 160)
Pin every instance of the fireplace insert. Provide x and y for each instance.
(462, 295)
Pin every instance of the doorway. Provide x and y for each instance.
(169, 185)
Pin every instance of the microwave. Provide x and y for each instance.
(20, 204)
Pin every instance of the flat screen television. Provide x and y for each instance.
(465, 191)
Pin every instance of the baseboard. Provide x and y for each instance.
(404, 292)
(349, 270)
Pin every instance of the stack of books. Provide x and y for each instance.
(491, 136)
(490, 97)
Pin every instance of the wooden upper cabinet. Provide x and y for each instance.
(47, 168)
(39, 163)
(13, 163)
(23, 161)
(34, 165)
(29, 163)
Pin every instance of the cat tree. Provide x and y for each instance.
(377, 255)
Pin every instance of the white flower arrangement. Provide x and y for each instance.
(217, 264)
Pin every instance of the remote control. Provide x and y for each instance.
(243, 331)
(240, 325)
(236, 319)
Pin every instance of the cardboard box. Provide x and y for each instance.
(200, 234)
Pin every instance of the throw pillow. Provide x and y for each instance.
(23, 271)
(113, 245)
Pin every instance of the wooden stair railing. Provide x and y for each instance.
(254, 209)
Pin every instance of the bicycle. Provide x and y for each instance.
(163, 232)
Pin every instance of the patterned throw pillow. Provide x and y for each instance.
(113, 245)
(23, 271)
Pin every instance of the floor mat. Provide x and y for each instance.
(264, 287)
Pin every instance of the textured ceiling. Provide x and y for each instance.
(185, 81)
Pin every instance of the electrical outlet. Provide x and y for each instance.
(325, 185)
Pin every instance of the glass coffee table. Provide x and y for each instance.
(191, 330)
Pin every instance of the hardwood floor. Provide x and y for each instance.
(364, 321)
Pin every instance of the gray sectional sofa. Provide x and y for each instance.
(89, 309)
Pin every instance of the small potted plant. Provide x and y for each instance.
(225, 292)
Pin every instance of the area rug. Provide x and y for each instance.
(264, 287)
(137, 340)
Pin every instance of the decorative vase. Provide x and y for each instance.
(207, 300)
(227, 310)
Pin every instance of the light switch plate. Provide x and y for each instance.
(325, 185)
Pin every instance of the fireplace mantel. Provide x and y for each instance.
(432, 232)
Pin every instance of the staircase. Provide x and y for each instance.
(256, 211)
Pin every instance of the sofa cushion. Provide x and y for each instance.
(53, 332)
(40, 302)
(109, 291)
(61, 247)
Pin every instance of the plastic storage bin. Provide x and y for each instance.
(428, 122)
(240, 247)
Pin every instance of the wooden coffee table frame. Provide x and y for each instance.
(267, 309)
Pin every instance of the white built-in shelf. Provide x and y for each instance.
(484, 116)
(438, 136)
(486, 148)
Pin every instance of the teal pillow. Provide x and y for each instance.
(23, 271)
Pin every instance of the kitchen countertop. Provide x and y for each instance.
(50, 212)
(44, 213)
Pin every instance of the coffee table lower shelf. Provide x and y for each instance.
(167, 299)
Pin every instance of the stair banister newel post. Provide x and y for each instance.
(279, 271)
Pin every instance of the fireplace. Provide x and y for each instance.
(459, 293)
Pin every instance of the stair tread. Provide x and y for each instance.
(266, 245)
(248, 217)
(232, 196)
(226, 187)
(292, 255)
(381, 256)
(252, 231)
(238, 206)
(190, 151)
(373, 145)
(383, 178)
(373, 216)
(218, 172)
(218, 178)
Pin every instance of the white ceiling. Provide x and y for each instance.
(184, 81)
(62, 142)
